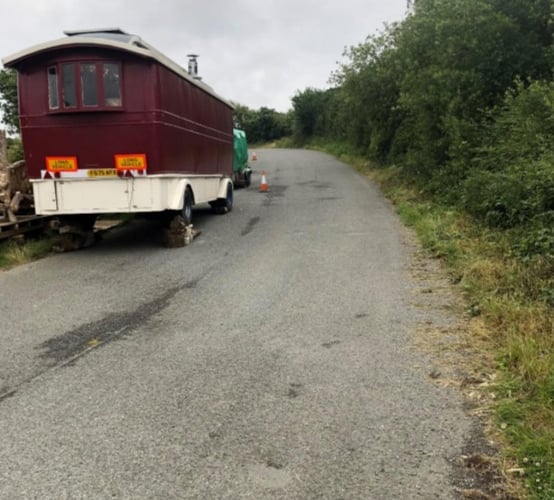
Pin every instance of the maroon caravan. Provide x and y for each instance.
(111, 125)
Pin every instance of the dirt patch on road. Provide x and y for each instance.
(114, 326)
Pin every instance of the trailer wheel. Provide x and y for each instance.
(247, 179)
(84, 222)
(228, 202)
(187, 207)
(223, 205)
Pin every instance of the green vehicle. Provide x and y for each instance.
(242, 173)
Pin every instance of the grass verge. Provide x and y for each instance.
(13, 253)
(513, 299)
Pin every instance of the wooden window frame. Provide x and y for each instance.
(80, 107)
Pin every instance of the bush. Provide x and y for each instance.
(512, 182)
(15, 150)
(516, 196)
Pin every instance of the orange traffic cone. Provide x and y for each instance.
(254, 157)
(263, 185)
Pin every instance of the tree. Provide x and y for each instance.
(367, 93)
(311, 109)
(458, 59)
(8, 99)
(242, 116)
(263, 125)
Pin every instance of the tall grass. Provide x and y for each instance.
(13, 253)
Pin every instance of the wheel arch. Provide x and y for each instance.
(222, 191)
(186, 184)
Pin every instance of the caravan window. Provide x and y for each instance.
(84, 86)
(53, 100)
(69, 94)
(112, 84)
(89, 88)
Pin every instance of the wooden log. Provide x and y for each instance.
(73, 239)
(5, 193)
(16, 192)
(178, 234)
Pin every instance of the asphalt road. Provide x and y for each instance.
(272, 358)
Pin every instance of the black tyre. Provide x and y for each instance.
(84, 222)
(187, 207)
(247, 179)
(229, 198)
(224, 205)
(87, 222)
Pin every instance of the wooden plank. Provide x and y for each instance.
(23, 225)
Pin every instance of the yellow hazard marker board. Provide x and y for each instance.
(130, 162)
(61, 163)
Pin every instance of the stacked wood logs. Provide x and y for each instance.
(16, 194)
(178, 234)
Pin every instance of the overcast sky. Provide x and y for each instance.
(257, 53)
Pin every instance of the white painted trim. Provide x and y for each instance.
(83, 173)
(123, 194)
(222, 193)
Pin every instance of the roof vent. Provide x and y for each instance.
(193, 66)
(115, 31)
